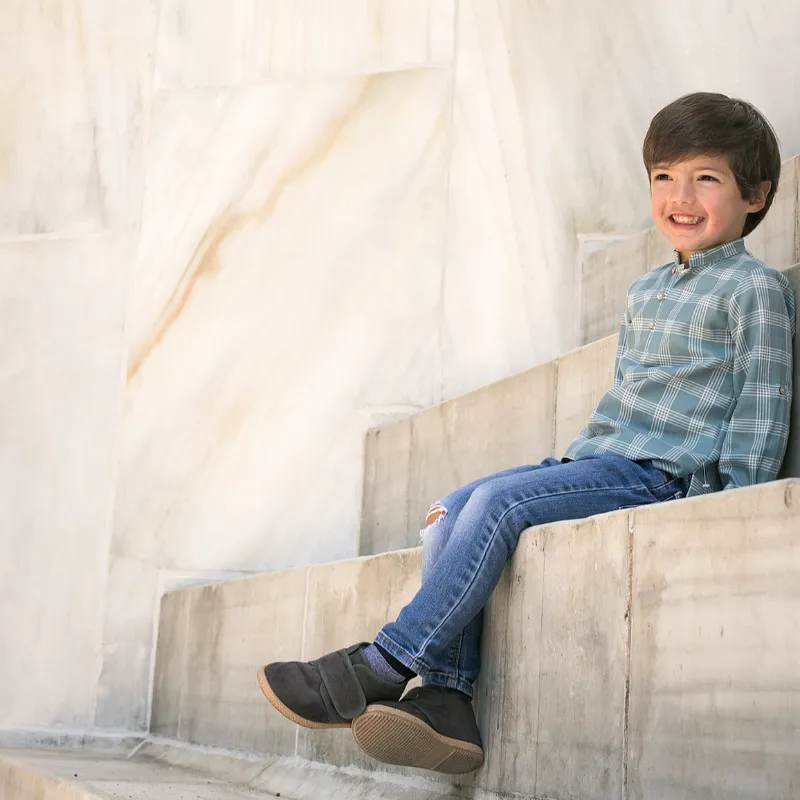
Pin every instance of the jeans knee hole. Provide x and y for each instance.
(436, 514)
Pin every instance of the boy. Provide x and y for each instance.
(700, 402)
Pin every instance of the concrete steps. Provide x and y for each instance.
(646, 653)
(643, 653)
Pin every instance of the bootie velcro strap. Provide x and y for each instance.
(344, 688)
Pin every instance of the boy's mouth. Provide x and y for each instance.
(685, 221)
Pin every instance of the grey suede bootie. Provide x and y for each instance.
(329, 692)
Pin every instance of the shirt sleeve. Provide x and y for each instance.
(761, 324)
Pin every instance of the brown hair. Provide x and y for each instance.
(711, 124)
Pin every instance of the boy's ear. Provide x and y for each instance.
(759, 198)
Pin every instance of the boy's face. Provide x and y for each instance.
(697, 204)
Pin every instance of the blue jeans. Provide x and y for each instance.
(471, 533)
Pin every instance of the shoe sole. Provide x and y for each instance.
(397, 737)
(287, 712)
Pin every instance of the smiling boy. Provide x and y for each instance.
(703, 377)
(700, 402)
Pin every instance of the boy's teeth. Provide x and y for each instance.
(685, 219)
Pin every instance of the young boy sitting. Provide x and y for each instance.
(700, 402)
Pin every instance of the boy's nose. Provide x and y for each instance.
(683, 191)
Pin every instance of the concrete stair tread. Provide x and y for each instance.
(44, 774)
(163, 771)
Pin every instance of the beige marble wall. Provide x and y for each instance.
(286, 292)
(74, 98)
(309, 218)
(61, 337)
(75, 93)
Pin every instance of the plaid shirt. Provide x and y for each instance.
(703, 375)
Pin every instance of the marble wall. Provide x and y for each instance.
(234, 235)
(74, 98)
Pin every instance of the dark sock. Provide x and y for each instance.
(386, 666)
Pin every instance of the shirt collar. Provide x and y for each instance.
(708, 257)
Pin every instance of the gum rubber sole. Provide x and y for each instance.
(287, 712)
(392, 736)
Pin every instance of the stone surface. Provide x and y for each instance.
(584, 376)
(235, 628)
(791, 462)
(31, 775)
(74, 99)
(162, 771)
(349, 602)
(606, 275)
(507, 693)
(551, 690)
(503, 425)
(123, 689)
(777, 239)
(501, 290)
(605, 278)
(213, 639)
(207, 310)
(253, 40)
(715, 666)
(582, 664)
(61, 355)
(171, 664)
(384, 505)
(250, 286)
(551, 693)
(659, 250)
(79, 739)
(713, 663)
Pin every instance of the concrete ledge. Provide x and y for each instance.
(411, 463)
(791, 462)
(603, 668)
(212, 639)
(584, 376)
(715, 647)
(106, 742)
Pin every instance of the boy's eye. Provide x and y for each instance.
(660, 176)
(708, 178)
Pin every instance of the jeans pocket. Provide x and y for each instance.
(662, 494)
(671, 489)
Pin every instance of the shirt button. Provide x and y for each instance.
(661, 295)
(652, 325)
(782, 390)
(674, 270)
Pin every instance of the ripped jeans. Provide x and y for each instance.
(472, 532)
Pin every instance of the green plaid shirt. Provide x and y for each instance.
(703, 376)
